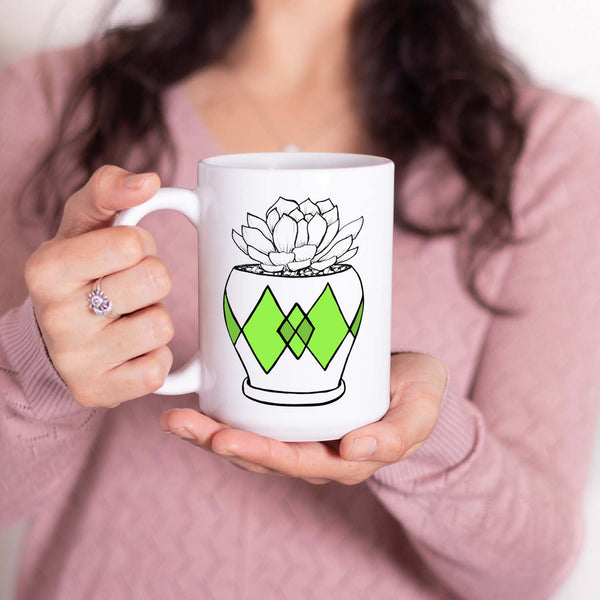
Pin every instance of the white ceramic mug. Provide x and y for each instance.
(295, 261)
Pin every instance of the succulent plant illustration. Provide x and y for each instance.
(298, 237)
(294, 313)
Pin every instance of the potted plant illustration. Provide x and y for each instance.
(293, 313)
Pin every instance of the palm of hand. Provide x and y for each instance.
(418, 382)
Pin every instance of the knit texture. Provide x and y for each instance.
(488, 508)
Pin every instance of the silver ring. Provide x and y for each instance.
(99, 303)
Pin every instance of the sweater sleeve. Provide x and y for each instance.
(492, 501)
(44, 433)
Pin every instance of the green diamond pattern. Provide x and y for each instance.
(260, 330)
(305, 330)
(287, 331)
(357, 319)
(269, 332)
(296, 316)
(330, 327)
(296, 330)
(232, 325)
(297, 346)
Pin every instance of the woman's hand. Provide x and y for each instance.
(104, 362)
(418, 382)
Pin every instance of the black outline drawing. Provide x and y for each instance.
(328, 396)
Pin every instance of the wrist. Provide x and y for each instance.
(46, 393)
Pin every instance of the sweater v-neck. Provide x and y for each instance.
(189, 122)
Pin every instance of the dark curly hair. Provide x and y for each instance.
(427, 73)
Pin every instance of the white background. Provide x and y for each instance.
(558, 41)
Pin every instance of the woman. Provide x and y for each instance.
(469, 487)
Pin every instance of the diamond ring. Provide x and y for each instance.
(98, 302)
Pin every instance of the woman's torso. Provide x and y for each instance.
(151, 517)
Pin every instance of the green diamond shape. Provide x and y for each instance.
(261, 331)
(330, 327)
(296, 315)
(297, 346)
(305, 330)
(357, 319)
(286, 331)
(232, 325)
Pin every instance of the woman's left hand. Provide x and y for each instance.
(418, 382)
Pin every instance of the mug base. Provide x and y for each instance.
(292, 398)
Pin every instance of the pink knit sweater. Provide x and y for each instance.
(488, 508)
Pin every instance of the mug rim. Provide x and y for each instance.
(295, 161)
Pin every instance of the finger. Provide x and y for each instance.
(199, 427)
(202, 429)
(133, 379)
(314, 462)
(66, 265)
(142, 285)
(306, 460)
(251, 467)
(417, 386)
(133, 335)
(109, 190)
(317, 480)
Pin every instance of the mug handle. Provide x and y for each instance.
(187, 202)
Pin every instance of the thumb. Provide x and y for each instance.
(418, 383)
(403, 430)
(109, 190)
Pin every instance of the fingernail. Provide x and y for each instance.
(184, 433)
(363, 447)
(164, 421)
(134, 181)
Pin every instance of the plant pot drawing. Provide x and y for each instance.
(294, 314)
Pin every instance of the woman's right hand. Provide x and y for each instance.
(104, 361)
